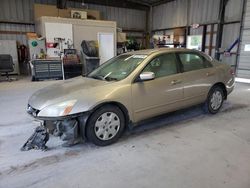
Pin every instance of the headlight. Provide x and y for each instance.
(60, 109)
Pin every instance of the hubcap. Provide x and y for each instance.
(216, 100)
(107, 126)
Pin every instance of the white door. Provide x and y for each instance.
(106, 46)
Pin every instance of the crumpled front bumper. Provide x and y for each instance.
(50, 122)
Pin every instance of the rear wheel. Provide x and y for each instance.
(215, 100)
(105, 125)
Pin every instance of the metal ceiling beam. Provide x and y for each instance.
(161, 2)
(141, 2)
(116, 3)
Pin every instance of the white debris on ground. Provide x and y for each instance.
(183, 149)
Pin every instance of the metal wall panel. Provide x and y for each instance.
(233, 10)
(21, 38)
(203, 11)
(169, 15)
(174, 14)
(231, 33)
(22, 11)
(125, 18)
(244, 59)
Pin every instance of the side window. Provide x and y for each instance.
(191, 61)
(163, 65)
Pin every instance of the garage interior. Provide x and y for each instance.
(47, 39)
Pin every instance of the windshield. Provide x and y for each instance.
(117, 68)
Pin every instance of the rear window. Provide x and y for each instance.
(192, 61)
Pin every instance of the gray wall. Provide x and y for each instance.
(244, 59)
(203, 11)
(172, 14)
(15, 27)
(231, 32)
(125, 18)
(22, 11)
(186, 12)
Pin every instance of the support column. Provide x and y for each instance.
(223, 4)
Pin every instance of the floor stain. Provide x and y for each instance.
(45, 161)
(234, 107)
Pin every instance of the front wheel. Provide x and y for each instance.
(215, 100)
(105, 125)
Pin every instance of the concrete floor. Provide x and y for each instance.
(183, 149)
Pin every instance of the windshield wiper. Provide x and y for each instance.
(111, 78)
(98, 77)
(107, 78)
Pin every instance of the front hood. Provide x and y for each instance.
(65, 90)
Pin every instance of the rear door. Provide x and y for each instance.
(161, 95)
(198, 76)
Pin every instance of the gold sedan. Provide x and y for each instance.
(133, 87)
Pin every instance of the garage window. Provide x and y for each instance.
(191, 61)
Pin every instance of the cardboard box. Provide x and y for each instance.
(31, 35)
(91, 14)
(64, 13)
(52, 11)
(44, 10)
(78, 14)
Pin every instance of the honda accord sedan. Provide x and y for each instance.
(130, 88)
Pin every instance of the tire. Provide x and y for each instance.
(105, 126)
(214, 100)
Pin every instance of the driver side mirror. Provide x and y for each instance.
(145, 76)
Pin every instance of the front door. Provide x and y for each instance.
(161, 95)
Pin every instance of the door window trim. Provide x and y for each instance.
(178, 67)
(194, 53)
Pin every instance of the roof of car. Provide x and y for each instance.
(156, 50)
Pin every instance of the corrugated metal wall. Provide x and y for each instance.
(177, 14)
(172, 14)
(21, 38)
(233, 10)
(244, 59)
(22, 11)
(203, 11)
(125, 18)
(231, 32)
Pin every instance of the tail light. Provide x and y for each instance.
(231, 71)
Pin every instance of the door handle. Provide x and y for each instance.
(174, 82)
(209, 74)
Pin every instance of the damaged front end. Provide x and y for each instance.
(70, 129)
